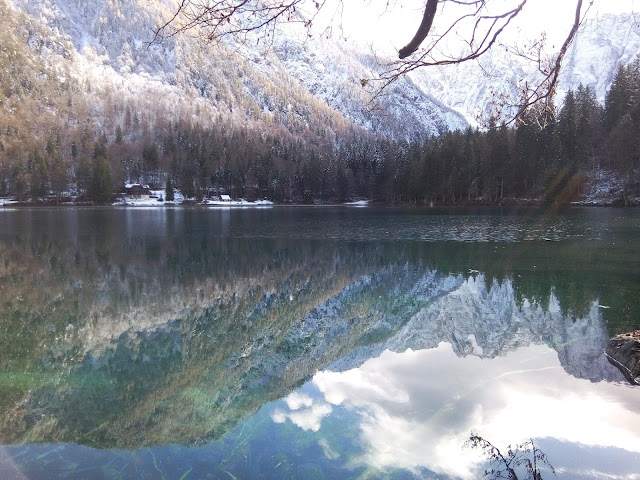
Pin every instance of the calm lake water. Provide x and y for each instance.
(314, 342)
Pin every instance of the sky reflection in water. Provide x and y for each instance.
(162, 338)
(417, 409)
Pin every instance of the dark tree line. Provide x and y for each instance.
(492, 167)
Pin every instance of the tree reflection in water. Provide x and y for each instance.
(123, 329)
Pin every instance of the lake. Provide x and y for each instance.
(306, 342)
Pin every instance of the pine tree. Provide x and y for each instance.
(168, 190)
(39, 177)
(18, 180)
(58, 176)
(119, 136)
(567, 128)
(622, 118)
(588, 127)
(101, 180)
(622, 95)
(342, 182)
(83, 176)
(187, 179)
(150, 160)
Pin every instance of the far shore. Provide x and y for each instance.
(534, 203)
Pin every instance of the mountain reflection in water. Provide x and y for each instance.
(137, 329)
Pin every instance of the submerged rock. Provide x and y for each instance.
(623, 351)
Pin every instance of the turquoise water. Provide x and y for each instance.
(313, 342)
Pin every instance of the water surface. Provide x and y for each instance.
(313, 342)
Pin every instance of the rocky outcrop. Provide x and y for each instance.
(623, 351)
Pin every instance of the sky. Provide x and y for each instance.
(387, 28)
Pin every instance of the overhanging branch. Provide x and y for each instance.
(423, 30)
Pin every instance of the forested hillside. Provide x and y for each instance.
(85, 112)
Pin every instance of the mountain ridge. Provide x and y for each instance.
(290, 122)
(120, 35)
(599, 48)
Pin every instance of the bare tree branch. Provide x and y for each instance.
(484, 33)
(543, 93)
(217, 19)
(423, 30)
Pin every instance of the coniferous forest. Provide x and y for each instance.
(500, 164)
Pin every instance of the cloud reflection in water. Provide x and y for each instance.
(417, 408)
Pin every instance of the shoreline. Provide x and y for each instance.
(513, 203)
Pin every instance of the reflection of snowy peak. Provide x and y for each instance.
(490, 322)
(236, 349)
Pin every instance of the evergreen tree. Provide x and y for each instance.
(101, 180)
(39, 177)
(187, 179)
(342, 182)
(588, 127)
(568, 128)
(168, 190)
(623, 94)
(528, 151)
(83, 176)
(622, 118)
(150, 160)
(623, 145)
(470, 170)
(18, 181)
(58, 176)
(119, 136)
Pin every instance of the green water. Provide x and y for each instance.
(186, 343)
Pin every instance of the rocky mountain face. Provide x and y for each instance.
(600, 47)
(309, 86)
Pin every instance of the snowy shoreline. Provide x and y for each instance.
(507, 203)
(602, 189)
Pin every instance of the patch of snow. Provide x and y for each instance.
(607, 188)
(237, 203)
(476, 349)
(141, 202)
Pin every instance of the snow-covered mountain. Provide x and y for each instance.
(309, 86)
(600, 47)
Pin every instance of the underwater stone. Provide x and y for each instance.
(623, 352)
